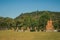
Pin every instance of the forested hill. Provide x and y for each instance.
(37, 14)
(32, 19)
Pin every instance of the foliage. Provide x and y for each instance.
(36, 19)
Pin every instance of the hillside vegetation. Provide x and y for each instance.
(31, 20)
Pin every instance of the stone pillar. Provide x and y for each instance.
(22, 29)
(17, 29)
(28, 29)
(36, 29)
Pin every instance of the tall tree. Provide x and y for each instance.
(43, 20)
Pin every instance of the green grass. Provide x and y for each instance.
(11, 35)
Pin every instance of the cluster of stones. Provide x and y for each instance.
(49, 28)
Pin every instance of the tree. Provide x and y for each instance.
(9, 22)
(56, 24)
(27, 22)
(43, 20)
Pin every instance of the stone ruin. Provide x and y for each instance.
(49, 26)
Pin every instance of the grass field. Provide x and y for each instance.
(11, 35)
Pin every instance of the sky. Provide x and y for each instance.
(13, 8)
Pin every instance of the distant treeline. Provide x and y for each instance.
(32, 20)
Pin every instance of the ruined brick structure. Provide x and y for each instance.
(49, 26)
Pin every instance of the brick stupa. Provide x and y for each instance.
(49, 26)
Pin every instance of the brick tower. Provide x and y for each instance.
(49, 26)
